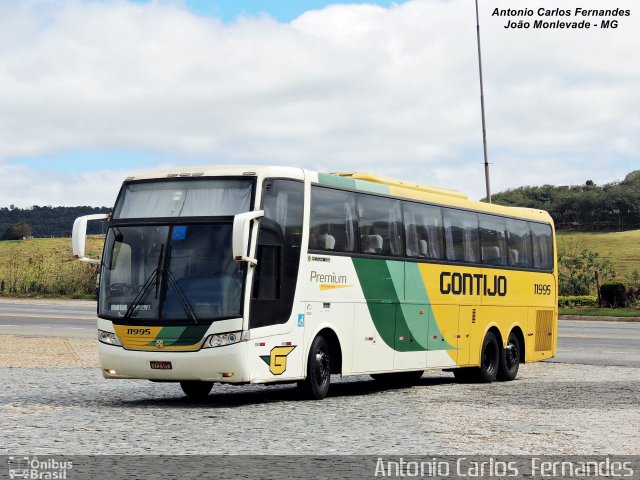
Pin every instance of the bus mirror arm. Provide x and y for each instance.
(241, 230)
(79, 236)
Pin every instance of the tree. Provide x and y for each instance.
(17, 231)
(578, 267)
(589, 207)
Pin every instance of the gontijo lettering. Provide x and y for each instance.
(472, 284)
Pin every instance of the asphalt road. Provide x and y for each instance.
(582, 342)
(63, 318)
(551, 408)
(599, 343)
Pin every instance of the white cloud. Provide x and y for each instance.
(348, 87)
(24, 187)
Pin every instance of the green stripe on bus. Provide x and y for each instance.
(191, 335)
(416, 290)
(383, 284)
(180, 335)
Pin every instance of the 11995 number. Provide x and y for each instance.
(541, 289)
(138, 331)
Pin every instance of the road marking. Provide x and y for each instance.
(50, 317)
(601, 337)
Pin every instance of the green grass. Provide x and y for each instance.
(46, 267)
(621, 248)
(600, 312)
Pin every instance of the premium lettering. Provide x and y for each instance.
(327, 277)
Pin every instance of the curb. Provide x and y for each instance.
(594, 318)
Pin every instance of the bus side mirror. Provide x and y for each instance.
(79, 236)
(241, 224)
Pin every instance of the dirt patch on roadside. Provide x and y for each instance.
(17, 351)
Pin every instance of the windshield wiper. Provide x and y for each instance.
(156, 279)
(186, 305)
(146, 287)
(159, 270)
(142, 294)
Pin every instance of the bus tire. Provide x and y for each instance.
(489, 359)
(196, 389)
(509, 359)
(316, 384)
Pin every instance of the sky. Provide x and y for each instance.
(94, 91)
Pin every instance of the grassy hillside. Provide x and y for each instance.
(46, 267)
(621, 248)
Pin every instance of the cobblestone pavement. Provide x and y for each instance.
(55, 401)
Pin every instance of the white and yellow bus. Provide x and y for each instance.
(274, 274)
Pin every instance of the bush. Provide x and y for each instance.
(573, 301)
(633, 295)
(17, 231)
(577, 269)
(613, 294)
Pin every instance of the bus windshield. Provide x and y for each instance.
(217, 197)
(173, 273)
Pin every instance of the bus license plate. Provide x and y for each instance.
(161, 365)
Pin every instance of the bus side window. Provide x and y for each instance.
(492, 240)
(333, 220)
(380, 225)
(423, 225)
(461, 235)
(542, 246)
(518, 243)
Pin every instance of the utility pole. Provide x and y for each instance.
(484, 127)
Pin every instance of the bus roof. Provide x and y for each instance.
(220, 171)
(368, 182)
(363, 181)
(369, 177)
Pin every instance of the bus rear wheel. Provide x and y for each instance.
(509, 359)
(196, 389)
(316, 384)
(489, 359)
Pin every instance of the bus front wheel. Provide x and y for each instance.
(316, 384)
(196, 389)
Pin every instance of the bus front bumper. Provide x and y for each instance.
(222, 364)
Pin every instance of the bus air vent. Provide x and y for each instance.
(544, 330)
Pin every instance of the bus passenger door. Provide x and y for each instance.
(466, 318)
(278, 253)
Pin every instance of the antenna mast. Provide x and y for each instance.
(484, 127)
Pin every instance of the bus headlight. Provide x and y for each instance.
(108, 338)
(222, 339)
